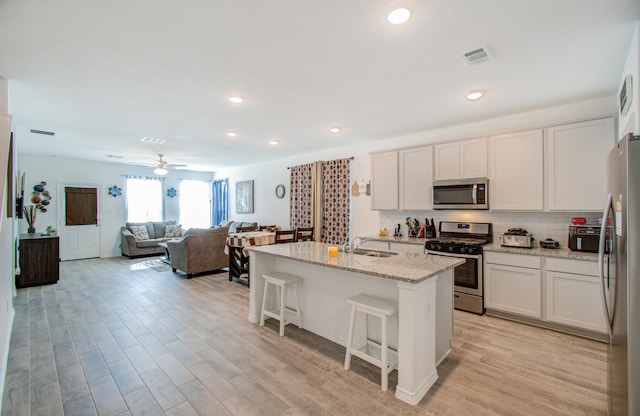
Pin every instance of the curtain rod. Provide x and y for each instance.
(351, 158)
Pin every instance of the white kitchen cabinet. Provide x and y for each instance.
(576, 165)
(573, 294)
(513, 284)
(516, 171)
(459, 160)
(447, 161)
(416, 178)
(384, 180)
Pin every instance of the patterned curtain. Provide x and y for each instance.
(335, 201)
(301, 196)
(220, 193)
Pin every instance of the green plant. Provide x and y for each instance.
(50, 229)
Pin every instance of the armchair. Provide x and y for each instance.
(200, 250)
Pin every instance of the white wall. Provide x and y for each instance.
(58, 172)
(630, 123)
(270, 210)
(7, 287)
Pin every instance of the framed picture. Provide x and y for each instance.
(244, 197)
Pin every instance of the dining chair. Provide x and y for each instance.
(304, 234)
(285, 236)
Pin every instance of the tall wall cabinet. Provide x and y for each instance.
(39, 260)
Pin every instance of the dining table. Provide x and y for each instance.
(236, 248)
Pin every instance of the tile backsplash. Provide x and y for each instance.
(541, 225)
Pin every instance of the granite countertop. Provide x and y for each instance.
(405, 267)
(544, 252)
(391, 239)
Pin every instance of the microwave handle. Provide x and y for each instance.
(474, 194)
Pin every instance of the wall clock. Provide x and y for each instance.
(280, 191)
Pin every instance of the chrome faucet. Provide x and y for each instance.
(350, 246)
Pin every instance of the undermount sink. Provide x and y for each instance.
(372, 253)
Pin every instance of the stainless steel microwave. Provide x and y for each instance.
(461, 194)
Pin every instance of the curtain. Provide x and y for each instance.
(301, 196)
(220, 193)
(320, 198)
(81, 206)
(335, 201)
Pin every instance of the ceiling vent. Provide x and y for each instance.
(152, 140)
(476, 56)
(46, 133)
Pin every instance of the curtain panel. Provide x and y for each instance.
(335, 209)
(220, 194)
(301, 196)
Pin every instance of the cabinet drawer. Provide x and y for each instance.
(589, 268)
(516, 260)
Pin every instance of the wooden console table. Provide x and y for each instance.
(39, 260)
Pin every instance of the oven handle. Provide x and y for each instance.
(465, 256)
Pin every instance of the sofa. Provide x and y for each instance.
(232, 225)
(137, 246)
(200, 250)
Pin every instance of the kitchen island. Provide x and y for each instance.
(421, 284)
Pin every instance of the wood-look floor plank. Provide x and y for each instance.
(120, 336)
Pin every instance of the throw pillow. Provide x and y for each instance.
(139, 232)
(173, 231)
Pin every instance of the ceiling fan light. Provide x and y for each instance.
(160, 171)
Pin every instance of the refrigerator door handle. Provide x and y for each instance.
(601, 254)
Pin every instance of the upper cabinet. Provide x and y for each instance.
(516, 171)
(416, 178)
(458, 160)
(402, 179)
(384, 180)
(576, 165)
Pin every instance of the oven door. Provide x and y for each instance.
(467, 278)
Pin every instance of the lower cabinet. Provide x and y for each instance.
(513, 284)
(573, 294)
(554, 292)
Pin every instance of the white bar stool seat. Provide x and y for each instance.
(280, 281)
(377, 354)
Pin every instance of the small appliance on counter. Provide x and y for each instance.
(584, 238)
(516, 237)
(429, 229)
(549, 243)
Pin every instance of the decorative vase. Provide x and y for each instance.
(31, 230)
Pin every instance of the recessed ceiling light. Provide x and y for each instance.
(236, 100)
(475, 95)
(399, 16)
(335, 129)
(232, 134)
(273, 142)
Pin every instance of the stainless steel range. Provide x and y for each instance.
(464, 240)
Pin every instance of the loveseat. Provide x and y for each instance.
(200, 250)
(156, 232)
(232, 225)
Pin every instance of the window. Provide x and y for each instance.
(144, 199)
(195, 208)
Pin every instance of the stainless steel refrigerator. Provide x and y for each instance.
(619, 257)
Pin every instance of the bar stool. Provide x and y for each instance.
(372, 352)
(280, 281)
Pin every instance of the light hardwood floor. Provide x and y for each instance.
(128, 337)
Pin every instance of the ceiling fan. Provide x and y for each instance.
(162, 165)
